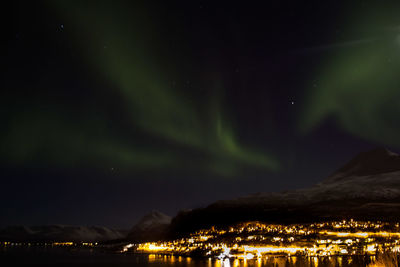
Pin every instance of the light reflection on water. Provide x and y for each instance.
(93, 258)
(338, 261)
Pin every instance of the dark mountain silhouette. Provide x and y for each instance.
(366, 188)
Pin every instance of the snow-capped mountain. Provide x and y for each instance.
(373, 174)
(60, 233)
(367, 187)
(152, 226)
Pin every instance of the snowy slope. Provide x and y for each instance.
(152, 226)
(151, 220)
(374, 174)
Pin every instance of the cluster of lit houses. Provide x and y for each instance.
(256, 240)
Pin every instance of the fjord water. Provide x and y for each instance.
(91, 258)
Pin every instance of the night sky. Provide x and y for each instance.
(110, 109)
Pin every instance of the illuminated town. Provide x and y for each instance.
(261, 242)
(257, 240)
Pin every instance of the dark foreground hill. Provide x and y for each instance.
(366, 188)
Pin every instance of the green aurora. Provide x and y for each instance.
(127, 57)
(140, 118)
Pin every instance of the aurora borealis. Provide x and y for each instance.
(136, 73)
(123, 101)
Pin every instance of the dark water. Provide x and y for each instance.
(91, 258)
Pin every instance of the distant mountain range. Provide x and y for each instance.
(153, 226)
(59, 233)
(366, 188)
